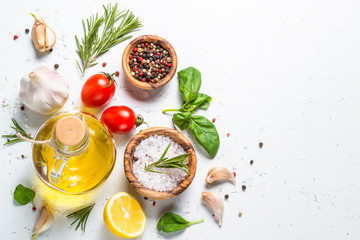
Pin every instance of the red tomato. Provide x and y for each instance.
(120, 119)
(98, 90)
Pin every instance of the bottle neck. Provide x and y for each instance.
(71, 135)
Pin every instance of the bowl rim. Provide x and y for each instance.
(129, 155)
(157, 40)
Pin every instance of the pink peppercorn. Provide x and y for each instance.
(169, 64)
(131, 56)
(228, 135)
(140, 59)
(104, 64)
(117, 73)
(16, 37)
(234, 174)
(213, 120)
(154, 203)
(135, 49)
(146, 44)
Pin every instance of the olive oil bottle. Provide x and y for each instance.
(79, 153)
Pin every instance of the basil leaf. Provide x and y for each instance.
(201, 101)
(189, 83)
(205, 134)
(23, 195)
(172, 222)
(182, 120)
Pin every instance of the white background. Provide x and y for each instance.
(282, 72)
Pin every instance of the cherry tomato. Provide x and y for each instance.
(121, 119)
(98, 90)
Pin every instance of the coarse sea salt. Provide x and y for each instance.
(149, 151)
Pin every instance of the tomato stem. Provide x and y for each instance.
(110, 77)
(139, 120)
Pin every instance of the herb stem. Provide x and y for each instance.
(96, 43)
(178, 162)
(170, 110)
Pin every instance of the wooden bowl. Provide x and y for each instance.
(129, 158)
(156, 40)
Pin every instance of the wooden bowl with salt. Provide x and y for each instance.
(151, 39)
(129, 160)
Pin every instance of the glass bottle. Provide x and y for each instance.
(79, 155)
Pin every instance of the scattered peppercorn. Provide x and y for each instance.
(51, 50)
(226, 196)
(154, 203)
(251, 162)
(243, 187)
(149, 62)
(240, 214)
(261, 144)
(234, 174)
(34, 209)
(228, 135)
(16, 37)
(56, 66)
(27, 31)
(146, 198)
(213, 120)
(117, 73)
(22, 108)
(22, 156)
(104, 64)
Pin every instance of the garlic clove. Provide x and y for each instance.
(216, 204)
(44, 90)
(44, 222)
(220, 174)
(43, 37)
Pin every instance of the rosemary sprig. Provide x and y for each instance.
(175, 162)
(81, 216)
(12, 138)
(95, 42)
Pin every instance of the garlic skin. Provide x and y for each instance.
(220, 174)
(216, 204)
(43, 37)
(44, 90)
(44, 222)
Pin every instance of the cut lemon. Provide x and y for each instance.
(124, 216)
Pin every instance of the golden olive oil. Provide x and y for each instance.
(82, 172)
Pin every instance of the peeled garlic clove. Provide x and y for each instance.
(44, 90)
(43, 37)
(44, 222)
(220, 174)
(216, 204)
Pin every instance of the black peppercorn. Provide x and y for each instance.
(56, 66)
(243, 187)
(27, 31)
(226, 196)
(261, 144)
(251, 162)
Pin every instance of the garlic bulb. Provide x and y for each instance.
(42, 35)
(220, 174)
(44, 222)
(216, 204)
(44, 90)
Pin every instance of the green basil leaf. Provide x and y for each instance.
(205, 134)
(189, 83)
(182, 120)
(202, 101)
(23, 195)
(172, 222)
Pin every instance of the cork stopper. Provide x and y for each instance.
(70, 130)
